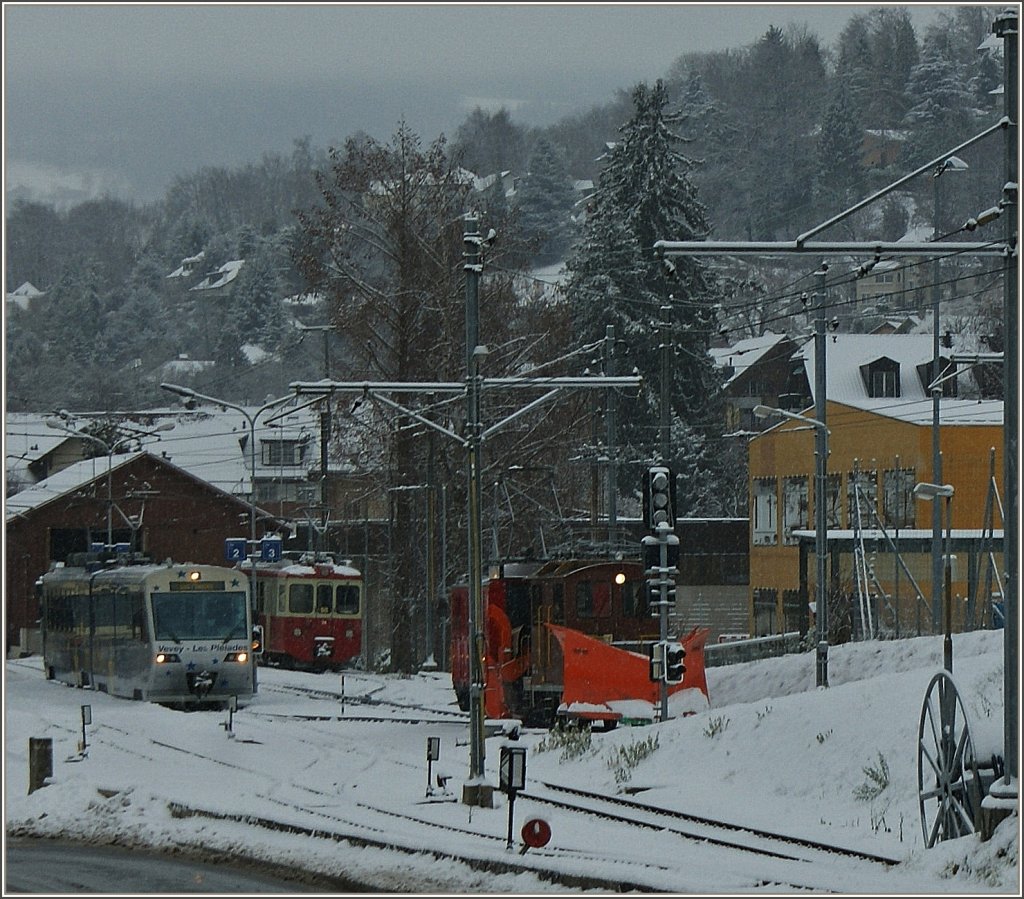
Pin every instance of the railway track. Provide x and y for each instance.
(705, 830)
(317, 693)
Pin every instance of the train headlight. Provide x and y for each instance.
(163, 658)
(195, 575)
(297, 632)
(240, 657)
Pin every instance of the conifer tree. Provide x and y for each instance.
(645, 194)
(545, 203)
(839, 177)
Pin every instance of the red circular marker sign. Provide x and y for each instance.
(536, 832)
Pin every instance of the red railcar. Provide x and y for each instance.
(311, 611)
(567, 638)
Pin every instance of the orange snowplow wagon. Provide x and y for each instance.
(605, 683)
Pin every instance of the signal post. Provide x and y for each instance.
(661, 559)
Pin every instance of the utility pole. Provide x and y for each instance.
(475, 791)
(610, 487)
(820, 483)
(665, 352)
(325, 420)
(1006, 27)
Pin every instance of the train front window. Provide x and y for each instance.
(323, 598)
(200, 616)
(346, 599)
(300, 599)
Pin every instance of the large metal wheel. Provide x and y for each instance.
(947, 773)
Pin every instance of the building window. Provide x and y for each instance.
(832, 505)
(764, 611)
(884, 383)
(282, 452)
(794, 613)
(794, 507)
(765, 512)
(861, 498)
(898, 496)
(881, 377)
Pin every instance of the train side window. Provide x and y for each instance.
(300, 599)
(558, 604)
(323, 599)
(103, 613)
(123, 613)
(630, 606)
(602, 594)
(80, 605)
(138, 611)
(347, 599)
(584, 600)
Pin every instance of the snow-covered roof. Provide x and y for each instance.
(26, 437)
(844, 383)
(188, 265)
(919, 411)
(21, 296)
(26, 440)
(221, 277)
(887, 133)
(63, 482)
(744, 353)
(917, 234)
(185, 366)
(304, 299)
(254, 353)
(209, 443)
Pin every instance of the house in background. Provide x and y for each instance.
(879, 416)
(759, 371)
(22, 297)
(343, 509)
(156, 507)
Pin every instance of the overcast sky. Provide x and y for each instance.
(126, 96)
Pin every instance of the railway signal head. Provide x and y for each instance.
(659, 497)
(656, 657)
(257, 639)
(674, 667)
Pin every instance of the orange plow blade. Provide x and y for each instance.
(597, 677)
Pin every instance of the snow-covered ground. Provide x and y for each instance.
(772, 752)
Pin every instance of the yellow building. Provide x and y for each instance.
(879, 537)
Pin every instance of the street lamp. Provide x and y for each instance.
(950, 164)
(109, 449)
(821, 435)
(933, 492)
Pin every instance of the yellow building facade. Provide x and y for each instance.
(879, 537)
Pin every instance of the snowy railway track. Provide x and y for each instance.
(450, 715)
(705, 830)
(476, 863)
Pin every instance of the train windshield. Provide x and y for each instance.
(200, 616)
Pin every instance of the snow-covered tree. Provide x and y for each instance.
(545, 200)
(645, 194)
(943, 113)
(839, 177)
